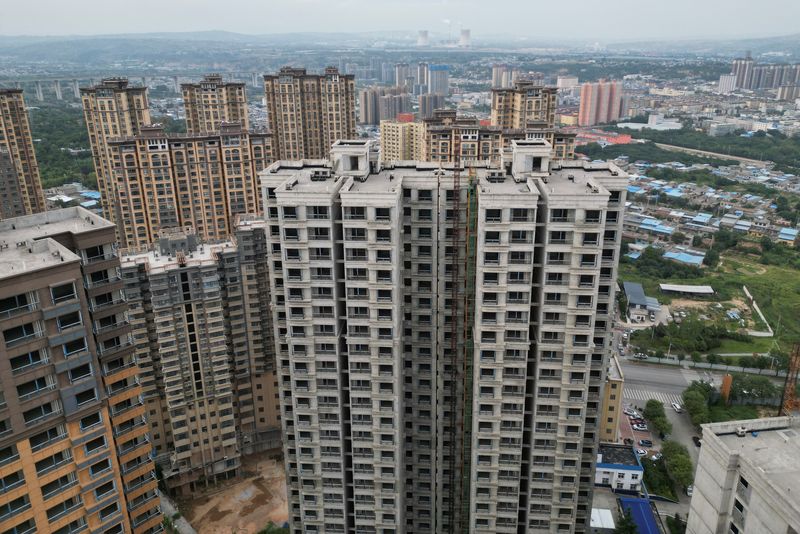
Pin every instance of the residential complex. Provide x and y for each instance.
(442, 338)
(430, 103)
(601, 102)
(112, 109)
(20, 184)
(75, 445)
(770, 76)
(204, 181)
(307, 113)
(211, 102)
(438, 79)
(402, 141)
(203, 339)
(504, 76)
(526, 105)
(382, 103)
(745, 476)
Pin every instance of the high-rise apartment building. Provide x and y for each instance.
(430, 103)
(204, 181)
(307, 113)
(211, 102)
(402, 141)
(75, 446)
(203, 338)
(422, 73)
(727, 84)
(112, 109)
(382, 103)
(402, 72)
(746, 475)
(442, 342)
(20, 183)
(601, 102)
(743, 70)
(526, 105)
(438, 79)
(504, 76)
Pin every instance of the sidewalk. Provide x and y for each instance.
(721, 367)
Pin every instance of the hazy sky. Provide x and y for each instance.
(607, 20)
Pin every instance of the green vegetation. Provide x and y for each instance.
(696, 398)
(654, 412)
(772, 145)
(652, 265)
(678, 463)
(719, 413)
(646, 152)
(625, 525)
(657, 480)
(676, 525)
(704, 405)
(58, 126)
(273, 529)
(776, 288)
(691, 335)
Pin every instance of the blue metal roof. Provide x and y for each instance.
(641, 513)
(683, 257)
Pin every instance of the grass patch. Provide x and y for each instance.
(720, 413)
(657, 480)
(758, 344)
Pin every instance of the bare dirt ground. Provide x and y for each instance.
(687, 304)
(244, 506)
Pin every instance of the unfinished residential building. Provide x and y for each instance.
(200, 181)
(74, 442)
(307, 113)
(442, 335)
(204, 343)
(20, 183)
(112, 109)
(212, 102)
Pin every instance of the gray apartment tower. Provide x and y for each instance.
(442, 337)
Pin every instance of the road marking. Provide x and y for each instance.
(641, 395)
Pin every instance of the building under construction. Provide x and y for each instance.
(442, 335)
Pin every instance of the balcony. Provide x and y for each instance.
(100, 257)
(107, 304)
(22, 339)
(91, 284)
(109, 327)
(26, 308)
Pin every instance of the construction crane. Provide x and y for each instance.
(790, 402)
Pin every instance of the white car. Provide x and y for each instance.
(640, 428)
(641, 452)
(677, 407)
(629, 411)
(657, 456)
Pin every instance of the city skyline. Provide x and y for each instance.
(684, 20)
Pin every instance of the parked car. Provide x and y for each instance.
(637, 421)
(641, 452)
(628, 441)
(630, 411)
(689, 490)
(677, 407)
(657, 456)
(640, 356)
(645, 443)
(697, 440)
(641, 428)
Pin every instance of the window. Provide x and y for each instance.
(14, 507)
(62, 292)
(82, 371)
(19, 334)
(289, 212)
(74, 347)
(26, 361)
(91, 420)
(23, 528)
(103, 490)
(95, 444)
(40, 440)
(100, 467)
(40, 412)
(109, 510)
(63, 508)
(86, 396)
(13, 305)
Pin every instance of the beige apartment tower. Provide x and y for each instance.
(442, 340)
(402, 141)
(20, 183)
(307, 113)
(525, 105)
(74, 442)
(611, 413)
(211, 102)
(112, 109)
(201, 181)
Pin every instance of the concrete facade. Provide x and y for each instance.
(211, 102)
(397, 397)
(745, 476)
(612, 401)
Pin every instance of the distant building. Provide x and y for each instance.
(465, 39)
(402, 71)
(771, 76)
(566, 82)
(619, 468)
(439, 79)
(727, 84)
(20, 184)
(612, 401)
(422, 38)
(743, 70)
(601, 102)
(112, 109)
(748, 478)
(430, 103)
(307, 113)
(504, 76)
(402, 141)
(639, 305)
(528, 104)
(788, 92)
(382, 103)
(211, 102)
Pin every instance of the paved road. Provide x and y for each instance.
(748, 161)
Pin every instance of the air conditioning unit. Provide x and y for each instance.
(741, 431)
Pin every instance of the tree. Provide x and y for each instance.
(653, 410)
(697, 241)
(662, 425)
(678, 462)
(711, 258)
(678, 237)
(752, 387)
(625, 524)
(712, 358)
(766, 244)
(697, 406)
(696, 358)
